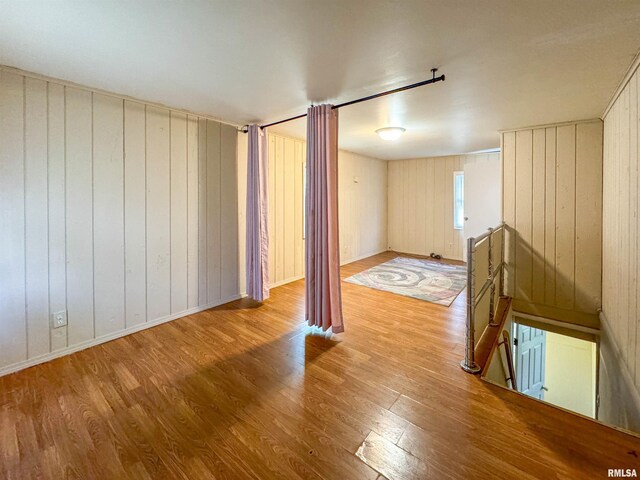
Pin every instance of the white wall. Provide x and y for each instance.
(362, 206)
(620, 345)
(122, 213)
(570, 373)
(421, 206)
(482, 193)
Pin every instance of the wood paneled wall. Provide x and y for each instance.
(362, 193)
(362, 190)
(421, 206)
(620, 353)
(552, 204)
(286, 204)
(122, 213)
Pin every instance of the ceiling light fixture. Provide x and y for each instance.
(390, 133)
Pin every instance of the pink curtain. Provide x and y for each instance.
(324, 297)
(257, 264)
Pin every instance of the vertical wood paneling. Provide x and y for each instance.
(202, 213)
(565, 215)
(623, 161)
(56, 213)
(108, 214)
(538, 215)
(193, 213)
(362, 185)
(278, 202)
(36, 217)
(394, 209)
(229, 214)
(362, 192)
(552, 197)
(634, 358)
(632, 335)
(298, 208)
(409, 206)
(621, 192)
(420, 206)
(289, 213)
(135, 240)
(450, 166)
(524, 184)
(347, 187)
(588, 234)
(620, 265)
(439, 178)
(242, 147)
(79, 215)
(550, 217)
(422, 243)
(13, 341)
(430, 217)
(509, 207)
(213, 212)
(158, 213)
(99, 195)
(273, 206)
(179, 213)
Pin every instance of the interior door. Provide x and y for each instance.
(530, 352)
(482, 194)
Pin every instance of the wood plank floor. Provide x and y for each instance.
(247, 391)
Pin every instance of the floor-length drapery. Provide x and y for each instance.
(257, 255)
(322, 262)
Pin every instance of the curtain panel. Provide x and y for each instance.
(323, 300)
(257, 254)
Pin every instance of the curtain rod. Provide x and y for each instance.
(434, 79)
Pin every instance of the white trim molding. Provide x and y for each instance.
(107, 338)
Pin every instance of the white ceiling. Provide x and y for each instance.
(508, 63)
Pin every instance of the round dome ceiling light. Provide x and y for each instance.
(390, 133)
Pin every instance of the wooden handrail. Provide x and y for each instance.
(507, 348)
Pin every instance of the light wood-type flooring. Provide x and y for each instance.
(249, 391)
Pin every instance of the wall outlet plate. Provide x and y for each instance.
(59, 319)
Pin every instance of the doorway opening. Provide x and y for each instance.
(555, 367)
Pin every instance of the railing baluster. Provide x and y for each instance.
(469, 363)
(491, 279)
(502, 250)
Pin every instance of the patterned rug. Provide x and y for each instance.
(413, 277)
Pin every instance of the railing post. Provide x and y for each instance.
(504, 265)
(469, 364)
(492, 291)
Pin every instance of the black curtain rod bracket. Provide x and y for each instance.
(433, 79)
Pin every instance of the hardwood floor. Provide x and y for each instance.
(248, 391)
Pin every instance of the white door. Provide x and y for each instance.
(530, 355)
(482, 193)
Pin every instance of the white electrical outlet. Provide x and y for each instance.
(59, 319)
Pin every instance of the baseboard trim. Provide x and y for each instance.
(426, 256)
(361, 257)
(15, 367)
(286, 280)
(342, 263)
